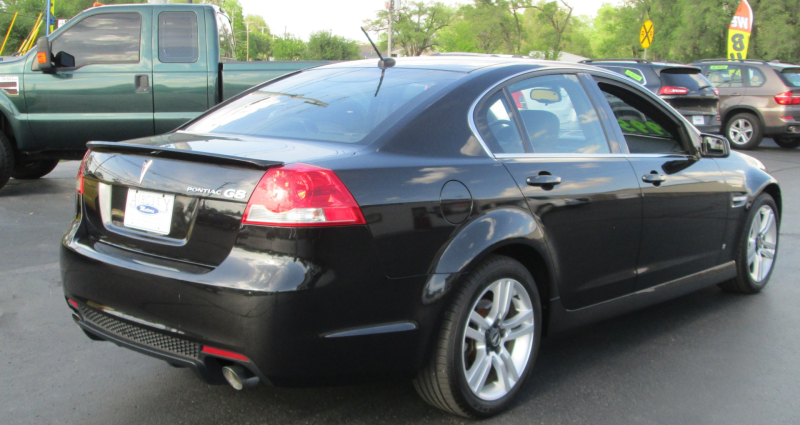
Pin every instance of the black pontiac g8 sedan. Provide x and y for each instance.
(432, 219)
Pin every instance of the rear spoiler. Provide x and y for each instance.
(182, 154)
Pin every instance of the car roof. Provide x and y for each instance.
(465, 63)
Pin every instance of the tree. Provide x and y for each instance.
(417, 25)
(260, 37)
(322, 45)
(551, 14)
(288, 48)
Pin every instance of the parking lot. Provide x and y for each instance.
(710, 357)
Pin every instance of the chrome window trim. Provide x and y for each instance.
(471, 113)
(589, 155)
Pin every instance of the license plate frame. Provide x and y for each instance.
(698, 119)
(149, 211)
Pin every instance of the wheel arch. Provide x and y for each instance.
(739, 109)
(774, 191)
(511, 232)
(10, 118)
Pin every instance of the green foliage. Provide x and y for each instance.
(322, 45)
(288, 48)
(260, 38)
(416, 25)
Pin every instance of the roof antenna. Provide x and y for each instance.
(383, 63)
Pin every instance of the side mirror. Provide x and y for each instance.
(65, 60)
(713, 146)
(44, 57)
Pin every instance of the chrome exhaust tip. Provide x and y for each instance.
(239, 377)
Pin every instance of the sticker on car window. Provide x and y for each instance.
(634, 75)
(719, 67)
(634, 126)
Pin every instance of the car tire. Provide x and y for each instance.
(458, 352)
(787, 142)
(34, 169)
(744, 131)
(6, 159)
(758, 248)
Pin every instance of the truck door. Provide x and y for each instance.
(107, 95)
(180, 67)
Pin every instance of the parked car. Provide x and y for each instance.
(351, 220)
(757, 99)
(115, 73)
(684, 87)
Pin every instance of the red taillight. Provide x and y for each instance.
(223, 353)
(787, 98)
(716, 91)
(668, 90)
(302, 195)
(79, 183)
(73, 303)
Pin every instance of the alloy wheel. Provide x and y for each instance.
(762, 243)
(740, 132)
(498, 339)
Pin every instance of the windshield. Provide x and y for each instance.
(227, 44)
(333, 105)
(693, 82)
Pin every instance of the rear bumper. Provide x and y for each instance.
(326, 312)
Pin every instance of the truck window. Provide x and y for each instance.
(227, 44)
(102, 38)
(177, 37)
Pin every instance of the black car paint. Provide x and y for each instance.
(280, 293)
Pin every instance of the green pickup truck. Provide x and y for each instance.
(114, 73)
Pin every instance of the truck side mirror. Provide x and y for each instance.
(65, 60)
(44, 57)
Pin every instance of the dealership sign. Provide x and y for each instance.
(739, 31)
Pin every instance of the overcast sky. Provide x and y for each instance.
(344, 17)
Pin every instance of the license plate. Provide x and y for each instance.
(698, 119)
(149, 211)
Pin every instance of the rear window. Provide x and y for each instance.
(333, 105)
(693, 82)
(790, 76)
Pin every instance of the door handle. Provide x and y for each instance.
(142, 83)
(544, 180)
(654, 177)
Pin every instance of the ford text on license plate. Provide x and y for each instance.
(149, 211)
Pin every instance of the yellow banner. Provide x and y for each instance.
(739, 31)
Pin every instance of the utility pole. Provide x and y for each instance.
(390, 6)
(247, 25)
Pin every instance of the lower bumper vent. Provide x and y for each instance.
(141, 335)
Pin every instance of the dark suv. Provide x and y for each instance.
(683, 87)
(757, 99)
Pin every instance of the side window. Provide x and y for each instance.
(497, 127)
(226, 40)
(177, 37)
(646, 129)
(755, 78)
(102, 38)
(725, 76)
(558, 116)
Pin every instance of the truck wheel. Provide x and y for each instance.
(487, 343)
(744, 131)
(6, 159)
(34, 169)
(758, 248)
(787, 142)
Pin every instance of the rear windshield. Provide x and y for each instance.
(332, 105)
(693, 82)
(790, 76)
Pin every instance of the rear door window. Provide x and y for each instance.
(725, 76)
(755, 78)
(558, 116)
(102, 38)
(497, 125)
(177, 37)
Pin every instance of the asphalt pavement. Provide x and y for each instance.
(707, 358)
